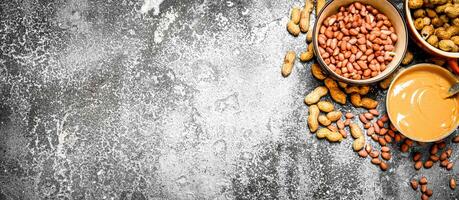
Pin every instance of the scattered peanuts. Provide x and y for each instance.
(315, 95)
(334, 136)
(383, 166)
(428, 164)
(356, 132)
(308, 55)
(317, 72)
(363, 90)
(408, 58)
(356, 99)
(295, 15)
(418, 165)
(322, 133)
(349, 115)
(323, 120)
(293, 28)
(313, 123)
(456, 139)
(369, 103)
(319, 6)
(336, 94)
(334, 115)
(452, 183)
(376, 161)
(386, 156)
(325, 106)
(289, 60)
(423, 180)
(363, 153)
(414, 184)
(357, 48)
(358, 144)
(305, 14)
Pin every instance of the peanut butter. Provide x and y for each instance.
(417, 105)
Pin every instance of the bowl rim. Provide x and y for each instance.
(352, 81)
(418, 36)
(412, 67)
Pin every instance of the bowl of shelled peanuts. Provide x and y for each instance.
(360, 42)
(434, 25)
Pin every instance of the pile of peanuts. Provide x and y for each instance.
(357, 42)
(438, 22)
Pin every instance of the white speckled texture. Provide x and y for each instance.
(178, 100)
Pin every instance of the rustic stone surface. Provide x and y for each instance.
(178, 99)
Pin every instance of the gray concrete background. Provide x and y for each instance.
(125, 99)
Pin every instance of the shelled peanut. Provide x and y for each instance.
(357, 42)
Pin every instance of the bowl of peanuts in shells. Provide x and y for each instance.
(434, 26)
(360, 42)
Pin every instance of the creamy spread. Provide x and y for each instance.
(417, 105)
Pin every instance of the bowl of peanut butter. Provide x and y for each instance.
(418, 106)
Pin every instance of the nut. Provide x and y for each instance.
(369, 103)
(386, 155)
(317, 72)
(323, 120)
(374, 154)
(295, 15)
(336, 94)
(376, 161)
(343, 133)
(358, 144)
(417, 156)
(307, 55)
(414, 184)
(423, 180)
(334, 136)
(315, 95)
(325, 106)
(434, 149)
(456, 139)
(356, 100)
(428, 164)
(385, 149)
(334, 115)
(313, 122)
(293, 28)
(415, 4)
(349, 115)
(289, 60)
(418, 165)
(383, 165)
(449, 166)
(356, 132)
(305, 15)
(363, 153)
